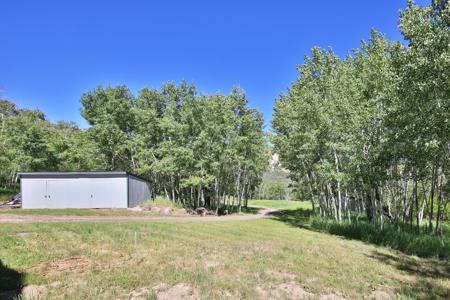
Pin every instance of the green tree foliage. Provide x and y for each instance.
(29, 142)
(370, 133)
(199, 150)
(275, 191)
(195, 149)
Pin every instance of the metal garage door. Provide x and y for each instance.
(35, 193)
(57, 195)
(100, 193)
(78, 193)
(74, 190)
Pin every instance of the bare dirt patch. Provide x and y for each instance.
(179, 291)
(162, 291)
(381, 293)
(26, 234)
(34, 291)
(290, 290)
(331, 297)
(76, 264)
(212, 261)
(27, 292)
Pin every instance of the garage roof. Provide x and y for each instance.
(70, 174)
(95, 173)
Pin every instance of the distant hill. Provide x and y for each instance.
(276, 173)
(275, 181)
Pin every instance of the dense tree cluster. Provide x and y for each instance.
(195, 149)
(30, 142)
(370, 133)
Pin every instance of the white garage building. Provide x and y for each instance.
(82, 190)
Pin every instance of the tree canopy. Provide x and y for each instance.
(370, 132)
(195, 149)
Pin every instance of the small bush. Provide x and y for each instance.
(5, 194)
(424, 245)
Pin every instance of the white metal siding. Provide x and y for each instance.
(138, 191)
(74, 192)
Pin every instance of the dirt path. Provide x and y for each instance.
(6, 218)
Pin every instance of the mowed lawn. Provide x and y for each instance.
(281, 204)
(72, 212)
(255, 259)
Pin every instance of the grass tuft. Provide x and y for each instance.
(161, 202)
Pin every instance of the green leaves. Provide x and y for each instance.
(351, 124)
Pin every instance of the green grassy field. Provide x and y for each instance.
(281, 204)
(282, 258)
(74, 212)
(226, 260)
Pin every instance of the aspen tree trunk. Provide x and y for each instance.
(203, 197)
(379, 205)
(339, 210)
(165, 191)
(404, 198)
(199, 192)
(416, 200)
(424, 202)
(430, 215)
(333, 203)
(321, 204)
(308, 180)
(347, 207)
(217, 194)
(439, 198)
(358, 206)
(172, 186)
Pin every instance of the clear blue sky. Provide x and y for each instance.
(53, 51)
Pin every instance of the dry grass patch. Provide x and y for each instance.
(223, 260)
(74, 265)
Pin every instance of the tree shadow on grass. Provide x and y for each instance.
(423, 270)
(246, 210)
(296, 218)
(427, 273)
(11, 282)
(408, 242)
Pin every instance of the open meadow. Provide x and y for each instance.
(258, 259)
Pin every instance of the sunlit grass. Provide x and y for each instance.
(73, 212)
(281, 204)
(217, 259)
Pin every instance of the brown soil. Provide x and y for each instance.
(180, 291)
(163, 291)
(381, 293)
(291, 290)
(76, 264)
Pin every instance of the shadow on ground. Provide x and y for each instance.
(11, 282)
(297, 218)
(422, 270)
(246, 210)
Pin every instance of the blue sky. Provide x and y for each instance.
(53, 51)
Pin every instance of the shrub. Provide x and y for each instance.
(424, 245)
